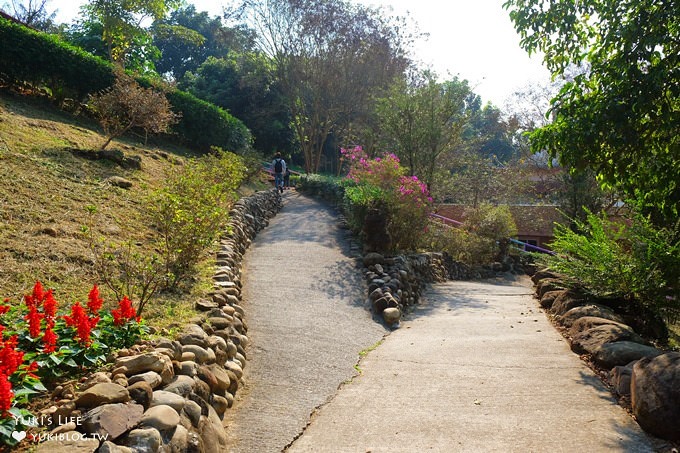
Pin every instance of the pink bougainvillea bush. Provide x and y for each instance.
(382, 183)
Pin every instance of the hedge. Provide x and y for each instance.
(41, 59)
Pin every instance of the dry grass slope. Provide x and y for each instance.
(44, 192)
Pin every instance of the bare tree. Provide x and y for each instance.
(33, 13)
(126, 105)
(330, 56)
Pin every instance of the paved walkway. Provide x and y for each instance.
(307, 322)
(476, 367)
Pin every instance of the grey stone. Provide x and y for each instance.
(161, 397)
(591, 340)
(619, 378)
(150, 361)
(206, 305)
(181, 385)
(193, 412)
(104, 393)
(193, 335)
(391, 315)
(220, 404)
(655, 394)
(621, 353)
(161, 417)
(188, 368)
(210, 427)
(593, 310)
(142, 393)
(179, 443)
(112, 420)
(147, 440)
(150, 377)
(201, 355)
(119, 181)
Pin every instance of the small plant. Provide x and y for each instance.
(126, 105)
(633, 260)
(192, 209)
(124, 268)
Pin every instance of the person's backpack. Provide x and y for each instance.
(278, 166)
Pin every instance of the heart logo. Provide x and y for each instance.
(19, 435)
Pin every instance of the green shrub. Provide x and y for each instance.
(482, 239)
(611, 259)
(203, 124)
(43, 60)
(192, 209)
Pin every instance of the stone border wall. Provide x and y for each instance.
(645, 379)
(169, 395)
(396, 283)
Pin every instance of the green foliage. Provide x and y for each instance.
(423, 120)
(244, 85)
(192, 209)
(43, 60)
(28, 56)
(611, 259)
(188, 38)
(482, 239)
(619, 114)
(204, 125)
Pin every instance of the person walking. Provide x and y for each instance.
(279, 167)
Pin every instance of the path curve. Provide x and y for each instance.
(477, 367)
(307, 322)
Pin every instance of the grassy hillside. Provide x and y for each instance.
(45, 189)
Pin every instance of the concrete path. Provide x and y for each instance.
(476, 368)
(307, 322)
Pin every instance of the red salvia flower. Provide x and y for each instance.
(124, 313)
(4, 309)
(94, 302)
(10, 358)
(49, 306)
(81, 322)
(49, 340)
(38, 292)
(33, 317)
(6, 394)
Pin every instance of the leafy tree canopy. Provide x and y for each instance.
(187, 38)
(620, 113)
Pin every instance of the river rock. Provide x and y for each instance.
(161, 417)
(147, 440)
(104, 393)
(621, 353)
(655, 394)
(161, 397)
(112, 420)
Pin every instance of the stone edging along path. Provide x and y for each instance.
(170, 395)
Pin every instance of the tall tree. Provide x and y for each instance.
(121, 21)
(33, 13)
(330, 56)
(187, 38)
(423, 120)
(244, 85)
(619, 116)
